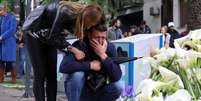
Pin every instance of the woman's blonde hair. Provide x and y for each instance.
(86, 16)
(70, 9)
(90, 16)
(74, 7)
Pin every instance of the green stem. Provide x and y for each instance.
(196, 84)
(186, 82)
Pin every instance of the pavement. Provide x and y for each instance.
(14, 92)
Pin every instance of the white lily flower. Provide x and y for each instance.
(179, 95)
(145, 90)
(146, 87)
(195, 34)
(162, 57)
(158, 98)
(165, 54)
(183, 63)
(171, 52)
(151, 61)
(193, 54)
(198, 73)
(199, 48)
(170, 77)
(142, 97)
(181, 53)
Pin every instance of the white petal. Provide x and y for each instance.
(180, 95)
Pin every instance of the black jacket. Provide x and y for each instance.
(47, 23)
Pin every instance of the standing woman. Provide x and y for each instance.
(8, 26)
(45, 33)
(166, 36)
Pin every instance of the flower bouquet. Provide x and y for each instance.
(175, 76)
(176, 73)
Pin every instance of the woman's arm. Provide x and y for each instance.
(12, 29)
(70, 65)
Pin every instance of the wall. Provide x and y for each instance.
(153, 21)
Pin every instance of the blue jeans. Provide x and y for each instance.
(20, 69)
(22, 58)
(76, 91)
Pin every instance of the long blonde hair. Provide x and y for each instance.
(86, 16)
(90, 16)
(74, 7)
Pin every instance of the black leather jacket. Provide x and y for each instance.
(47, 23)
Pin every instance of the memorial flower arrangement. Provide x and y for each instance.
(175, 76)
(175, 73)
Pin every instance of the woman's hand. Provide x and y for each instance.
(95, 65)
(79, 55)
(21, 45)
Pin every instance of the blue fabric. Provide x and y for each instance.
(22, 61)
(8, 43)
(73, 85)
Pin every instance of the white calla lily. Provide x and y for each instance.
(146, 87)
(179, 95)
(195, 34)
(142, 97)
(170, 77)
(158, 98)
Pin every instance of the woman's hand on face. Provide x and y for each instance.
(79, 55)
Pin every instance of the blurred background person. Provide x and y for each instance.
(173, 33)
(127, 34)
(22, 53)
(114, 32)
(166, 36)
(134, 30)
(7, 43)
(144, 28)
(185, 32)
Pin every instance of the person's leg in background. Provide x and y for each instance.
(20, 69)
(2, 71)
(7, 68)
(12, 68)
(51, 73)
(37, 59)
(73, 85)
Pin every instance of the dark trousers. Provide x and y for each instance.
(43, 58)
(7, 65)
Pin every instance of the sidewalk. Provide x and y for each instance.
(9, 94)
(15, 94)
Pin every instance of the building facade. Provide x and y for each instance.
(155, 12)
